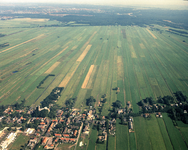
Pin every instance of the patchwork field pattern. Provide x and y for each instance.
(91, 61)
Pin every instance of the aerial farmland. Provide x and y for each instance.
(111, 62)
(90, 61)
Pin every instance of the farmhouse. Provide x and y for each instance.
(68, 140)
(158, 114)
(44, 141)
(146, 115)
(30, 131)
(32, 142)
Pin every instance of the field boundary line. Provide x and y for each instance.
(168, 133)
(151, 34)
(148, 78)
(68, 77)
(173, 43)
(84, 53)
(50, 60)
(22, 43)
(52, 67)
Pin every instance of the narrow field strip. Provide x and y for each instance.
(50, 60)
(79, 38)
(167, 42)
(82, 56)
(74, 47)
(30, 93)
(79, 60)
(120, 67)
(54, 48)
(52, 67)
(92, 78)
(133, 53)
(22, 43)
(66, 44)
(69, 75)
(29, 52)
(87, 77)
(151, 34)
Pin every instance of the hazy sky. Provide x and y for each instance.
(108, 2)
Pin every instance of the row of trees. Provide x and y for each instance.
(166, 100)
(146, 100)
(39, 86)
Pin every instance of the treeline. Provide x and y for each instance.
(39, 86)
(146, 100)
(117, 16)
(181, 32)
(54, 95)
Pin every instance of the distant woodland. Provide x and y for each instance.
(109, 16)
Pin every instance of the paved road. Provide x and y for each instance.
(77, 137)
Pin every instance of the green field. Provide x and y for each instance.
(140, 64)
(121, 136)
(92, 140)
(20, 141)
(175, 135)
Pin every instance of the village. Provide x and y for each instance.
(51, 132)
(65, 128)
(68, 124)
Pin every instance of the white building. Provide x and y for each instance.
(10, 138)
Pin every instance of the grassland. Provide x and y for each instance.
(92, 140)
(126, 57)
(174, 134)
(164, 133)
(111, 142)
(122, 136)
(141, 62)
(20, 141)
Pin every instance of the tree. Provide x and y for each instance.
(117, 104)
(150, 100)
(23, 128)
(104, 100)
(90, 101)
(140, 103)
(98, 127)
(59, 125)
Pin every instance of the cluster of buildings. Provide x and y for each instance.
(5, 17)
(65, 128)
